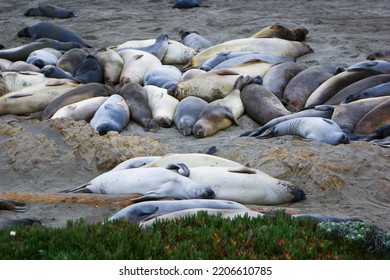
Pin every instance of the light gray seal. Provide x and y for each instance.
(187, 113)
(51, 30)
(49, 10)
(149, 209)
(191, 38)
(52, 71)
(45, 56)
(377, 91)
(381, 66)
(112, 115)
(310, 128)
(164, 76)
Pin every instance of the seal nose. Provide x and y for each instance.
(344, 139)
(296, 193)
(208, 194)
(39, 63)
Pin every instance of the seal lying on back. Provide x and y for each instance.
(49, 10)
(51, 30)
(149, 209)
(311, 128)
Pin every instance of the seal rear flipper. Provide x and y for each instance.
(151, 195)
(80, 189)
(268, 133)
(180, 168)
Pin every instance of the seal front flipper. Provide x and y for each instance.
(151, 195)
(180, 168)
(80, 189)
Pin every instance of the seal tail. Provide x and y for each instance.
(79, 189)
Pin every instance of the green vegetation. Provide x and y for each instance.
(198, 237)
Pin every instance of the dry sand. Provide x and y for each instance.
(46, 157)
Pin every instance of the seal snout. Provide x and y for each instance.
(208, 194)
(297, 194)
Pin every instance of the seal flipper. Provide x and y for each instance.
(80, 189)
(151, 195)
(12, 205)
(181, 168)
(146, 211)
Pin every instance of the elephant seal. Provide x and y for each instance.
(45, 56)
(334, 84)
(49, 10)
(233, 99)
(310, 128)
(71, 59)
(52, 71)
(112, 115)
(136, 64)
(277, 78)
(80, 93)
(192, 39)
(19, 80)
(381, 66)
(3, 86)
(135, 162)
(22, 66)
(282, 32)
(212, 119)
(192, 160)
(187, 113)
(320, 111)
(81, 110)
(379, 55)
(23, 51)
(348, 115)
(246, 185)
(192, 73)
(4, 222)
(151, 183)
(301, 86)
(112, 64)
(136, 98)
(358, 87)
(5, 64)
(12, 205)
(34, 98)
(376, 91)
(224, 213)
(186, 4)
(149, 209)
(261, 105)
(164, 76)
(52, 31)
(274, 46)
(89, 71)
(161, 104)
(376, 117)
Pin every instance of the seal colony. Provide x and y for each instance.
(276, 46)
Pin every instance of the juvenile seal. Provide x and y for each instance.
(212, 119)
(52, 71)
(348, 115)
(282, 32)
(34, 98)
(191, 38)
(246, 185)
(260, 104)
(273, 46)
(161, 104)
(52, 31)
(22, 66)
(136, 98)
(301, 86)
(81, 110)
(224, 213)
(164, 76)
(112, 115)
(380, 54)
(80, 93)
(321, 111)
(71, 59)
(49, 10)
(381, 66)
(136, 64)
(3, 86)
(4, 222)
(136, 162)
(112, 64)
(23, 51)
(151, 183)
(186, 4)
(18, 80)
(358, 87)
(187, 113)
(376, 117)
(12, 205)
(45, 56)
(376, 91)
(5, 64)
(89, 71)
(310, 128)
(148, 209)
